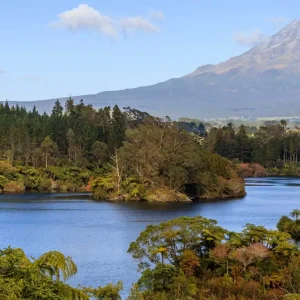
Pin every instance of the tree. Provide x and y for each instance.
(118, 127)
(57, 126)
(249, 255)
(244, 148)
(20, 278)
(157, 279)
(49, 147)
(203, 261)
(24, 278)
(117, 170)
(71, 141)
(135, 117)
(69, 106)
(3, 182)
(100, 152)
(108, 292)
(295, 214)
(290, 226)
(189, 262)
(57, 109)
(177, 236)
(55, 263)
(283, 123)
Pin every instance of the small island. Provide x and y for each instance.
(160, 162)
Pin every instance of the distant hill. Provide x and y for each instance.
(262, 82)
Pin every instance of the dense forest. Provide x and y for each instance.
(185, 259)
(120, 155)
(129, 155)
(271, 145)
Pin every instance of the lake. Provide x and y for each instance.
(97, 234)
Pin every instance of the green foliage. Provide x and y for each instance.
(3, 182)
(77, 135)
(157, 279)
(22, 278)
(55, 263)
(118, 128)
(290, 226)
(103, 186)
(158, 156)
(272, 146)
(157, 242)
(20, 178)
(292, 297)
(108, 292)
(194, 258)
(78, 142)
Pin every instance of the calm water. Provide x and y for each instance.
(97, 234)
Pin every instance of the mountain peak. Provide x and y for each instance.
(288, 37)
(262, 82)
(280, 51)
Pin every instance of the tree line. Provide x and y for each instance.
(271, 145)
(73, 135)
(119, 155)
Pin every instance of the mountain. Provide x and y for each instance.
(262, 82)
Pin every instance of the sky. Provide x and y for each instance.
(55, 48)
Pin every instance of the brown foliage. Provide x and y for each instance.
(14, 187)
(189, 262)
(251, 170)
(246, 256)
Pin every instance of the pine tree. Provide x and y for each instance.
(244, 148)
(118, 128)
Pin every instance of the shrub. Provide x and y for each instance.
(14, 187)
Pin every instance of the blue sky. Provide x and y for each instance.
(54, 48)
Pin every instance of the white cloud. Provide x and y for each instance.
(277, 20)
(251, 38)
(157, 15)
(86, 17)
(89, 18)
(138, 23)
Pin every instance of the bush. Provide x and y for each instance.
(14, 187)
(165, 195)
(292, 297)
(251, 170)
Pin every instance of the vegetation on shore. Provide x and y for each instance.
(291, 226)
(273, 146)
(17, 179)
(185, 258)
(160, 162)
(118, 155)
(37, 279)
(194, 258)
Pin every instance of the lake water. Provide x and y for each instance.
(97, 234)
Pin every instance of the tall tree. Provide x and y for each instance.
(49, 147)
(244, 147)
(118, 128)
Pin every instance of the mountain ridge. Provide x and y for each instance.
(263, 81)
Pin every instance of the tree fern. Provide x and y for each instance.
(55, 263)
